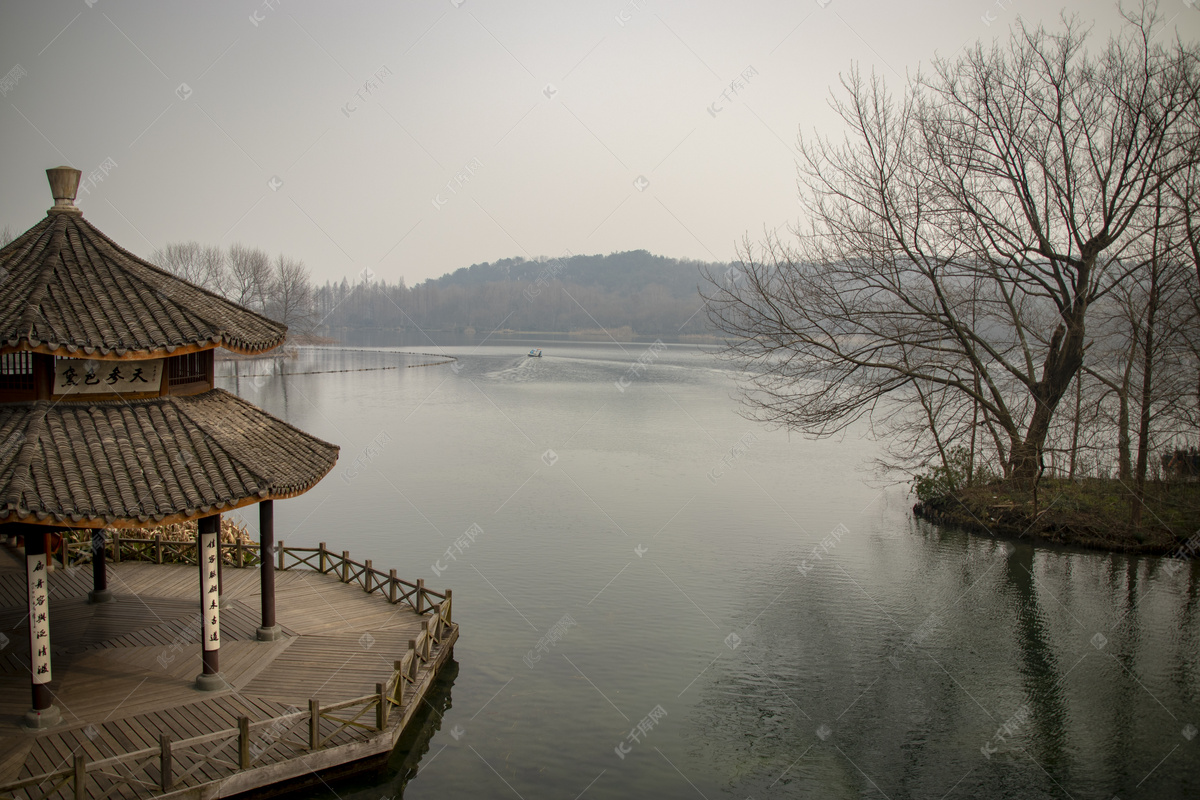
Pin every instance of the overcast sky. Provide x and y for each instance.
(411, 139)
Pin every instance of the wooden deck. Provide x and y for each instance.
(124, 679)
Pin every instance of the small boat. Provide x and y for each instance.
(535, 353)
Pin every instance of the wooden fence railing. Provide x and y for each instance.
(248, 554)
(175, 764)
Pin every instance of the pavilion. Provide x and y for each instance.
(109, 417)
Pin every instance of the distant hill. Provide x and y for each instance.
(624, 272)
(649, 294)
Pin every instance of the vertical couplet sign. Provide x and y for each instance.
(39, 617)
(212, 590)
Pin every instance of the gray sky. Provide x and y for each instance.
(414, 138)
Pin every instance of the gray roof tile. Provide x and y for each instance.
(149, 460)
(68, 287)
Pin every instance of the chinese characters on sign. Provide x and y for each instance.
(39, 617)
(212, 592)
(81, 376)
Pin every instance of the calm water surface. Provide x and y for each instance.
(752, 616)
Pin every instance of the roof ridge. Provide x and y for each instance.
(141, 263)
(22, 471)
(41, 286)
(213, 444)
(81, 291)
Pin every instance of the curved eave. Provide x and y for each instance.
(129, 523)
(125, 354)
(158, 460)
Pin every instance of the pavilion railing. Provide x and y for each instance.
(218, 755)
(242, 554)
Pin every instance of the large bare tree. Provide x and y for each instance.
(290, 297)
(959, 234)
(250, 276)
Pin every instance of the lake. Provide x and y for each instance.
(660, 598)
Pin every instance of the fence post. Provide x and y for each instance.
(80, 777)
(345, 566)
(314, 724)
(280, 545)
(165, 779)
(398, 692)
(420, 595)
(412, 659)
(321, 559)
(239, 552)
(367, 576)
(117, 546)
(450, 605)
(158, 548)
(244, 742)
(381, 715)
(391, 586)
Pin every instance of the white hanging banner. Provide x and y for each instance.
(39, 617)
(83, 376)
(211, 611)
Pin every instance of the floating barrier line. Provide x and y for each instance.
(445, 360)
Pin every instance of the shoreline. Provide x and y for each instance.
(1091, 514)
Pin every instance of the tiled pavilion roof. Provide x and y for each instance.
(69, 290)
(162, 459)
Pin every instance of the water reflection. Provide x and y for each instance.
(405, 760)
(1041, 674)
(899, 664)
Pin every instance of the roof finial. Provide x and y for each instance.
(64, 184)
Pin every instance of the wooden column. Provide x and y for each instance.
(100, 592)
(210, 606)
(44, 713)
(270, 630)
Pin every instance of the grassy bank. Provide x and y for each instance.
(1092, 513)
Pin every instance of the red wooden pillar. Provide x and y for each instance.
(100, 592)
(270, 630)
(44, 713)
(210, 606)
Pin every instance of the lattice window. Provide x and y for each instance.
(16, 371)
(188, 368)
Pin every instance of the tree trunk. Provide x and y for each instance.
(1143, 454)
(1124, 460)
(1062, 362)
(1075, 427)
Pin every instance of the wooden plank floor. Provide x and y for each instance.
(124, 671)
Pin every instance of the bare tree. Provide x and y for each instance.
(249, 276)
(290, 298)
(960, 234)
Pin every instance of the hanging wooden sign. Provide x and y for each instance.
(212, 592)
(84, 376)
(39, 617)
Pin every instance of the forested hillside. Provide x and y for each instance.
(650, 294)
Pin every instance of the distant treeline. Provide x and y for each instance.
(650, 294)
